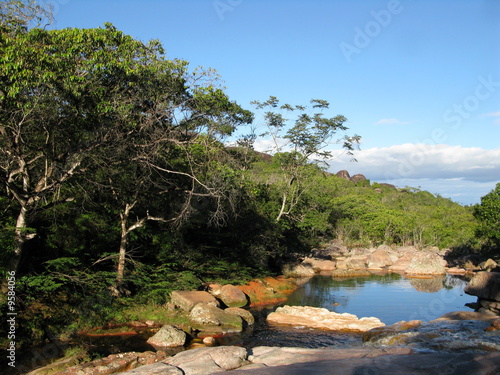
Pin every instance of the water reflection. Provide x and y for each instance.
(391, 297)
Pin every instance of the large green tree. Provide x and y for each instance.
(301, 141)
(75, 98)
(488, 215)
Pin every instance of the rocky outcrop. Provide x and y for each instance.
(210, 318)
(203, 361)
(426, 263)
(321, 318)
(186, 300)
(379, 259)
(285, 361)
(167, 337)
(345, 175)
(485, 286)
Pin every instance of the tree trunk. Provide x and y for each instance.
(20, 238)
(120, 272)
(282, 210)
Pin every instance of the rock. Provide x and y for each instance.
(320, 265)
(300, 270)
(467, 315)
(488, 265)
(485, 285)
(379, 259)
(402, 264)
(394, 334)
(159, 368)
(232, 296)
(424, 263)
(208, 360)
(356, 262)
(320, 318)
(242, 313)
(167, 337)
(186, 300)
(343, 174)
(117, 363)
(391, 361)
(210, 318)
(358, 177)
(456, 271)
(209, 341)
(273, 356)
(214, 289)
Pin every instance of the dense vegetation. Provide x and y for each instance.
(118, 185)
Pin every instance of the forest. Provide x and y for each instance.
(122, 180)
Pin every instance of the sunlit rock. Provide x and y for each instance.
(186, 300)
(426, 263)
(320, 318)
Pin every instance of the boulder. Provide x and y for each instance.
(320, 265)
(485, 285)
(242, 313)
(209, 318)
(356, 262)
(379, 259)
(321, 318)
(186, 300)
(358, 177)
(402, 263)
(232, 296)
(299, 270)
(426, 263)
(209, 360)
(344, 174)
(167, 337)
(488, 265)
(159, 368)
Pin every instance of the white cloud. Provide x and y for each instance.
(391, 121)
(420, 161)
(496, 115)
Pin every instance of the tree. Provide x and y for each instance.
(304, 142)
(24, 13)
(488, 215)
(69, 97)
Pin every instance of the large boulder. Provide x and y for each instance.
(379, 259)
(426, 263)
(212, 319)
(298, 270)
(232, 296)
(485, 285)
(186, 300)
(320, 318)
(208, 360)
(320, 265)
(167, 337)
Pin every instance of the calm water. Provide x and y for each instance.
(391, 298)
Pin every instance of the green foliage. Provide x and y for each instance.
(488, 215)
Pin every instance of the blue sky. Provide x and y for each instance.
(419, 80)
